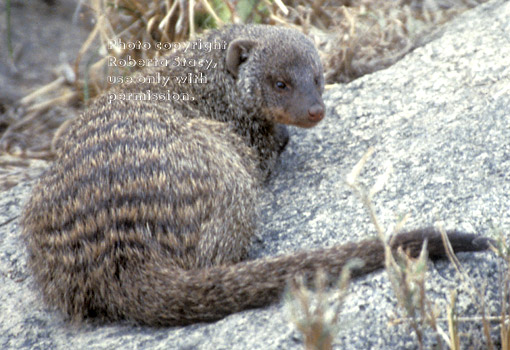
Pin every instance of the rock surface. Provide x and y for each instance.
(440, 118)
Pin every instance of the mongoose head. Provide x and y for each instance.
(278, 71)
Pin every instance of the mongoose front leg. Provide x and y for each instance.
(282, 137)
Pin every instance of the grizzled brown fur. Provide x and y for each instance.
(149, 210)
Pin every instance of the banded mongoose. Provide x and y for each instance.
(148, 211)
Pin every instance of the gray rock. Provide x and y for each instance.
(440, 118)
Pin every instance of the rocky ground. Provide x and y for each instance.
(439, 118)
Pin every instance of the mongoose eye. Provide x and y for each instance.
(280, 85)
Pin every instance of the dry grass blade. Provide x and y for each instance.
(502, 249)
(211, 11)
(453, 327)
(477, 294)
(57, 83)
(316, 313)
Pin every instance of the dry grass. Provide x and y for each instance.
(315, 311)
(371, 35)
(502, 249)
(354, 38)
(408, 277)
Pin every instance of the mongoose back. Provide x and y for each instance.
(148, 212)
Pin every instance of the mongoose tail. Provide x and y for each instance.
(170, 297)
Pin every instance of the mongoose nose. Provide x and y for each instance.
(316, 113)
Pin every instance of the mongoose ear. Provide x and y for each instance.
(238, 52)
